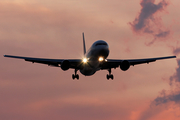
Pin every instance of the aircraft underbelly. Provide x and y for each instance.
(88, 72)
(90, 69)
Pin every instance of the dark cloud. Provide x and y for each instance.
(149, 8)
(147, 21)
(174, 94)
(165, 98)
(176, 51)
(163, 34)
(175, 97)
(176, 76)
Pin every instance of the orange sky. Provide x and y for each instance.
(53, 29)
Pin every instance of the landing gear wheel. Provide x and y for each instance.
(73, 76)
(112, 77)
(77, 76)
(107, 76)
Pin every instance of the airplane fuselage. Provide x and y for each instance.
(97, 54)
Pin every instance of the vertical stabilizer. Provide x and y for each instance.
(84, 45)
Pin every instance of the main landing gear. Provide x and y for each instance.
(109, 75)
(75, 75)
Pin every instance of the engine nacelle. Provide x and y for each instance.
(65, 65)
(124, 65)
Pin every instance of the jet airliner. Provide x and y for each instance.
(95, 59)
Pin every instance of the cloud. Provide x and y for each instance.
(176, 51)
(163, 34)
(174, 94)
(175, 97)
(167, 98)
(148, 21)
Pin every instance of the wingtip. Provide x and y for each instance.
(7, 55)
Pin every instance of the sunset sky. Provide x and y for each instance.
(53, 29)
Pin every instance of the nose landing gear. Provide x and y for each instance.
(75, 75)
(109, 75)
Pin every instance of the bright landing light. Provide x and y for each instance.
(85, 60)
(101, 59)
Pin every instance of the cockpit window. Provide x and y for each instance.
(101, 44)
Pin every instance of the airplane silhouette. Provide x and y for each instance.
(94, 60)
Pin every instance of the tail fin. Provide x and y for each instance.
(84, 45)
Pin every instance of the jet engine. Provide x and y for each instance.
(65, 65)
(124, 65)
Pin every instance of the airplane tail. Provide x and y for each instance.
(84, 45)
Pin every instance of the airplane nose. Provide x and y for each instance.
(104, 52)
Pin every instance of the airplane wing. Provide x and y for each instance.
(74, 63)
(114, 63)
(147, 60)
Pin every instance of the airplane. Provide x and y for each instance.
(95, 59)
